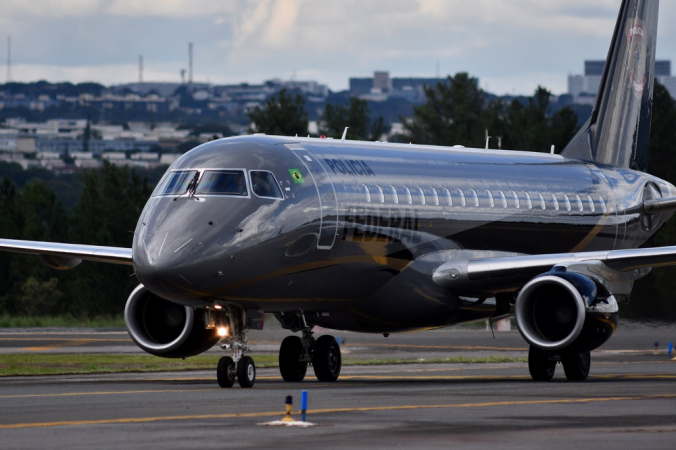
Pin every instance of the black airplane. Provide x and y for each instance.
(379, 238)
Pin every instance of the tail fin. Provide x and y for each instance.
(618, 131)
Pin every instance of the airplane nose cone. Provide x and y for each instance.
(179, 263)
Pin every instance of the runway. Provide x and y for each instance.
(629, 401)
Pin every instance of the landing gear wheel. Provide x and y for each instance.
(326, 359)
(540, 366)
(290, 365)
(576, 367)
(225, 372)
(246, 372)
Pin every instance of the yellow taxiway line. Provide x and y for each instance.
(132, 420)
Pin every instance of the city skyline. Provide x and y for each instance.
(510, 46)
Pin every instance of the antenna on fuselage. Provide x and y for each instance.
(551, 152)
(488, 138)
(344, 134)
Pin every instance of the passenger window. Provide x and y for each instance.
(379, 195)
(529, 202)
(222, 182)
(435, 196)
(542, 201)
(419, 194)
(566, 201)
(407, 194)
(474, 198)
(517, 204)
(264, 184)
(555, 201)
(503, 199)
(591, 204)
(177, 182)
(602, 203)
(446, 195)
(366, 192)
(393, 193)
(491, 202)
(461, 197)
(579, 203)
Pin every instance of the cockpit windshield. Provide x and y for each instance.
(222, 182)
(176, 183)
(230, 182)
(264, 184)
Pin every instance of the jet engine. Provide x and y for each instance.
(565, 313)
(163, 328)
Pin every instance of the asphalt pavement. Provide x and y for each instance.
(629, 400)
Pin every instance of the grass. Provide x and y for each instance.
(51, 364)
(41, 364)
(64, 321)
(451, 360)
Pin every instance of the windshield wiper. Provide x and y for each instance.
(192, 187)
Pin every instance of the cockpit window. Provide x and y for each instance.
(176, 182)
(222, 182)
(264, 184)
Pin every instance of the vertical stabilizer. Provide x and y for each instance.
(618, 131)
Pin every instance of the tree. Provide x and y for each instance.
(39, 216)
(111, 202)
(357, 116)
(453, 114)
(39, 298)
(533, 127)
(457, 112)
(9, 221)
(653, 295)
(281, 115)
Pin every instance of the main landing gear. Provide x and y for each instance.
(238, 366)
(296, 353)
(542, 365)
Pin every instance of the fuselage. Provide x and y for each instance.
(353, 229)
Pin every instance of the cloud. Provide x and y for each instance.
(50, 8)
(255, 40)
(171, 8)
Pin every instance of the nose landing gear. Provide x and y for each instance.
(239, 366)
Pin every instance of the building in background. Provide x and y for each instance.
(583, 88)
(381, 87)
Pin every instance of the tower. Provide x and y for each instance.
(140, 69)
(190, 64)
(9, 59)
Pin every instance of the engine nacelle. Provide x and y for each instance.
(163, 328)
(564, 313)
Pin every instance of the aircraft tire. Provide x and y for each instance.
(577, 366)
(290, 366)
(326, 359)
(246, 372)
(225, 372)
(541, 368)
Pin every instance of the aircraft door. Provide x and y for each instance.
(328, 203)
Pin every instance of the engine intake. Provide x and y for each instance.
(163, 328)
(564, 312)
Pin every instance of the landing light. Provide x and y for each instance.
(217, 306)
(222, 331)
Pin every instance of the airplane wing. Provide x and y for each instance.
(510, 272)
(66, 256)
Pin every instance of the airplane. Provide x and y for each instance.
(379, 237)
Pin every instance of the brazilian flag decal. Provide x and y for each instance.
(296, 175)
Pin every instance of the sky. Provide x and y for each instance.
(511, 46)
